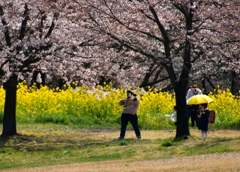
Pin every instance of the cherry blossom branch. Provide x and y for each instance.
(6, 31)
(24, 23)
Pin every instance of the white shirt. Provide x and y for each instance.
(193, 92)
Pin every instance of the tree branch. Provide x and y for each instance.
(52, 26)
(149, 17)
(30, 60)
(157, 81)
(113, 16)
(43, 18)
(163, 31)
(24, 23)
(166, 43)
(6, 31)
(122, 42)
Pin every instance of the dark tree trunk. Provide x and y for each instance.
(182, 121)
(34, 79)
(145, 80)
(104, 80)
(233, 84)
(9, 117)
(180, 90)
(182, 85)
(61, 83)
(204, 88)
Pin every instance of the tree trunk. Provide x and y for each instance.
(9, 117)
(233, 84)
(180, 90)
(182, 120)
(181, 86)
(204, 88)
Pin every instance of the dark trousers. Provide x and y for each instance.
(193, 111)
(124, 122)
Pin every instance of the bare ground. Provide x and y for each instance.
(223, 162)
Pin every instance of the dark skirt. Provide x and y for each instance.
(203, 121)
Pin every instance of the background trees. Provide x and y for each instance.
(167, 44)
(176, 35)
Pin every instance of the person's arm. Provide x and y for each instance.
(189, 94)
(132, 102)
(122, 102)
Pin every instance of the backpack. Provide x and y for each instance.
(212, 116)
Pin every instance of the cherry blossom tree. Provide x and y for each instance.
(127, 42)
(179, 36)
(26, 29)
(39, 43)
(221, 44)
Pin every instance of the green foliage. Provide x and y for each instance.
(3, 151)
(123, 142)
(168, 143)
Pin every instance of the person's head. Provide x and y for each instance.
(130, 93)
(203, 106)
(194, 86)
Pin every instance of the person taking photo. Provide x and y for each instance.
(129, 113)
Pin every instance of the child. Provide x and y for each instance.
(173, 116)
(203, 119)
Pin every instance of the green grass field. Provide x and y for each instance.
(58, 127)
(43, 145)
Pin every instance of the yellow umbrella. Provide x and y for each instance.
(199, 99)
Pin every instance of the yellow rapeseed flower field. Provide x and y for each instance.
(100, 105)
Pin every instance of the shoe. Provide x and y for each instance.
(139, 137)
(120, 138)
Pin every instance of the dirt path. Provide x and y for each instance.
(222, 162)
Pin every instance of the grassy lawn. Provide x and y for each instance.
(46, 145)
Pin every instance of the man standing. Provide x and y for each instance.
(130, 107)
(193, 110)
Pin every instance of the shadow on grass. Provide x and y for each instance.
(52, 142)
(16, 141)
(179, 139)
(3, 140)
